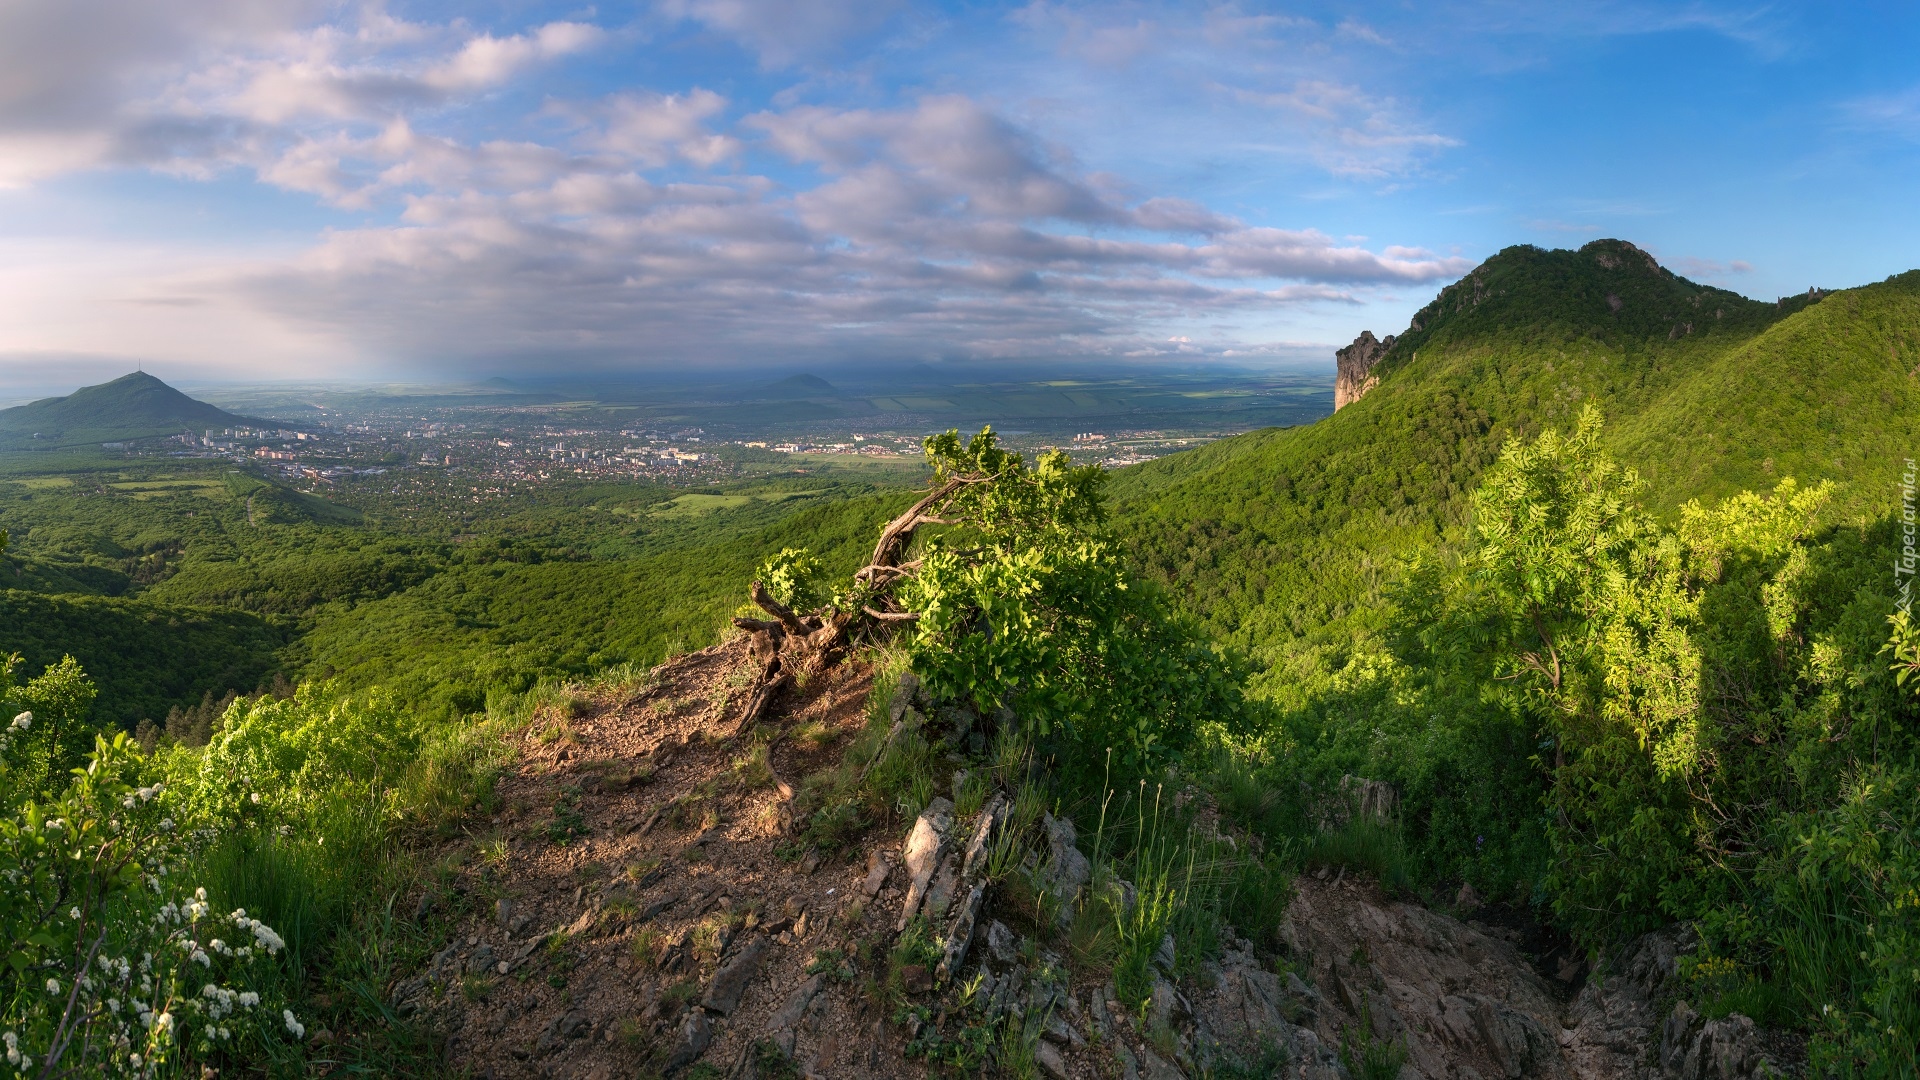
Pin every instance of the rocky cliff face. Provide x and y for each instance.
(1355, 368)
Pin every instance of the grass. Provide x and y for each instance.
(1374, 848)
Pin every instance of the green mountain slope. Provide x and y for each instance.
(1285, 541)
(145, 657)
(132, 406)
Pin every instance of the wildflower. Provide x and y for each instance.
(166, 824)
(265, 935)
(294, 1027)
(53, 986)
(248, 999)
(163, 1022)
(256, 798)
(113, 1005)
(201, 958)
(134, 1060)
(23, 721)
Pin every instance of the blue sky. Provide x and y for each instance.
(235, 189)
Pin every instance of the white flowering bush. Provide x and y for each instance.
(112, 968)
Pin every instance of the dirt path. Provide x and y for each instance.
(656, 852)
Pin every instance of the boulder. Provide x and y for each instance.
(795, 1007)
(730, 982)
(1048, 1058)
(696, 1033)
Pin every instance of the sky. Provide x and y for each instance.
(247, 190)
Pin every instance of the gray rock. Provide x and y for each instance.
(1102, 1023)
(1001, 944)
(922, 853)
(503, 912)
(796, 1005)
(976, 855)
(723, 994)
(443, 961)
(1168, 1008)
(903, 696)
(960, 934)
(877, 870)
(1061, 1032)
(940, 891)
(1676, 1036)
(696, 1032)
(1129, 1067)
(1726, 1049)
(1070, 869)
(480, 961)
(1163, 957)
(1153, 1068)
(1048, 1058)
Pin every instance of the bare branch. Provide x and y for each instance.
(899, 532)
(891, 616)
(776, 609)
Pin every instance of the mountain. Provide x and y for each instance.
(800, 386)
(1285, 540)
(132, 406)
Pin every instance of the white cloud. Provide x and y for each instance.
(786, 32)
(654, 129)
(658, 227)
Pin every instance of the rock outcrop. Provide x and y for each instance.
(1354, 364)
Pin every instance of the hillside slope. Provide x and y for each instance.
(1284, 542)
(134, 406)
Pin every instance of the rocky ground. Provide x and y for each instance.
(640, 906)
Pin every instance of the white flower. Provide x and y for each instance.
(265, 935)
(201, 958)
(163, 1022)
(166, 824)
(200, 894)
(113, 1005)
(294, 1027)
(256, 798)
(53, 986)
(74, 914)
(248, 999)
(23, 721)
(134, 1060)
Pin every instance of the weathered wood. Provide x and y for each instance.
(762, 695)
(899, 532)
(776, 609)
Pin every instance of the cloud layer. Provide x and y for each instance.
(652, 225)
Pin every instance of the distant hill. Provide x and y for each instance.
(135, 406)
(801, 385)
(1285, 540)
